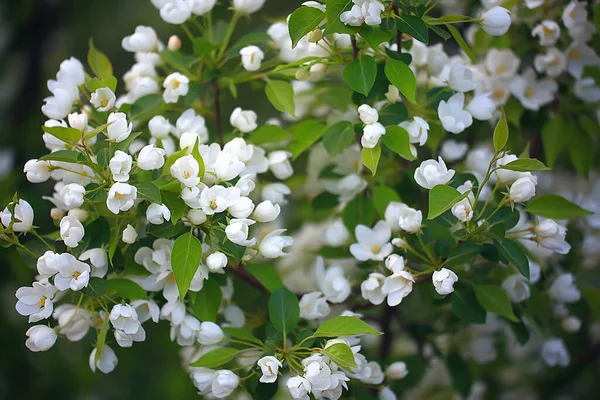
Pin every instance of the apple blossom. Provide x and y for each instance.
(496, 21)
(444, 280)
(431, 173)
(22, 220)
(121, 197)
(120, 166)
(103, 99)
(40, 338)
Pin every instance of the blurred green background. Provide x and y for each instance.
(35, 36)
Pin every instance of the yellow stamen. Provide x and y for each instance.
(375, 249)
(530, 92)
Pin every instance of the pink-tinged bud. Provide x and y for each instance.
(174, 43)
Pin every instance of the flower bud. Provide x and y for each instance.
(120, 166)
(315, 35)
(56, 214)
(22, 219)
(159, 127)
(241, 208)
(37, 171)
(216, 262)
(523, 189)
(197, 216)
(78, 213)
(119, 129)
(244, 120)
(481, 107)
(225, 382)
(210, 333)
(107, 361)
(78, 121)
(396, 370)
(571, 324)
(302, 74)
(280, 165)
(174, 43)
(272, 245)
(266, 211)
(368, 115)
(151, 157)
(129, 235)
(40, 338)
(158, 213)
(444, 280)
(496, 21)
(71, 231)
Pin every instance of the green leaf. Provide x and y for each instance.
(401, 76)
(360, 74)
(268, 134)
(281, 95)
(338, 137)
(592, 296)
(101, 341)
(525, 165)
(146, 107)
(208, 301)
(171, 160)
(514, 255)
(125, 144)
(359, 210)
(396, 138)
(442, 198)
(393, 114)
(413, 26)
(374, 35)
(465, 304)
(440, 31)
(178, 60)
(302, 21)
(494, 299)
(96, 287)
(127, 288)
(555, 207)
(284, 310)
(267, 275)
(324, 201)
(305, 135)
(203, 47)
(554, 138)
(459, 374)
(241, 334)
(97, 83)
(345, 326)
(99, 63)
(370, 158)
(216, 358)
(461, 42)
(597, 17)
(341, 354)
(69, 135)
(581, 150)
(69, 156)
(175, 204)
(501, 132)
(382, 196)
(465, 252)
(149, 191)
(185, 260)
(333, 11)
(248, 39)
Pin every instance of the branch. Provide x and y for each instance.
(388, 335)
(241, 272)
(218, 112)
(354, 47)
(398, 33)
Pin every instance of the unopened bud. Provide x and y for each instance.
(315, 36)
(302, 74)
(78, 213)
(57, 214)
(174, 43)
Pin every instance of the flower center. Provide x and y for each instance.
(213, 204)
(119, 195)
(530, 92)
(176, 84)
(547, 31)
(186, 174)
(104, 102)
(375, 249)
(76, 274)
(575, 55)
(498, 93)
(42, 301)
(501, 69)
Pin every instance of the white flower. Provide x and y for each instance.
(37, 171)
(73, 322)
(444, 280)
(151, 157)
(396, 370)
(129, 235)
(266, 211)
(336, 234)
(555, 353)
(502, 63)
(363, 11)
(463, 210)
(563, 289)
(517, 288)
(72, 195)
(332, 282)
(481, 107)
(371, 135)
(579, 56)
(368, 115)
(186, 170)
(49, 263)
(40, 338)
(72, 274)
(217, 199)
(461, 79)
(299, 387)
(276, 192)
(547, 32)
(146, 310)
(98, 259)
(22, 219)
(437, 59)
(417, 130)
(107, 361)
(272, 245)
(392, 215)
(71, 72)
(571, 324)
(120, 166)
(224, 383)
(103, 99)
(453, 150)
(252, 57)
(210, 333)
(124, 318)
(452, 115)
(248, 6)
(280, 165)
(143, 40)
(175, 12)
(431, 173)
(347, 188)
(71, 231)
(552, 236)
(373, 244)
(118, 130)
(35, 301)
(370, 288)
(317, 372)
(314, 305)
(523, 189)
(395, 263)
(409, 219)
(186, 332)
(158, 213)
(397, 286)
(269, 367)
(574, 16)
(159, 127)
(393, 94)
(496, 21)
(237, 231)
(121, 197)
(506, 175)
(244, 120)
(175, 85)
(197, 217)
(201, 7)
(532, 93)
(216, 262)
(587, 90)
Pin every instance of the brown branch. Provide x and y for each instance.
(241, 272)
(386, 328)
(354, 47)
(218, 122)
(398, 33)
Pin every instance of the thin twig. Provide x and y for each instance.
(354, 47)
(241, 272)
(218, 122)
